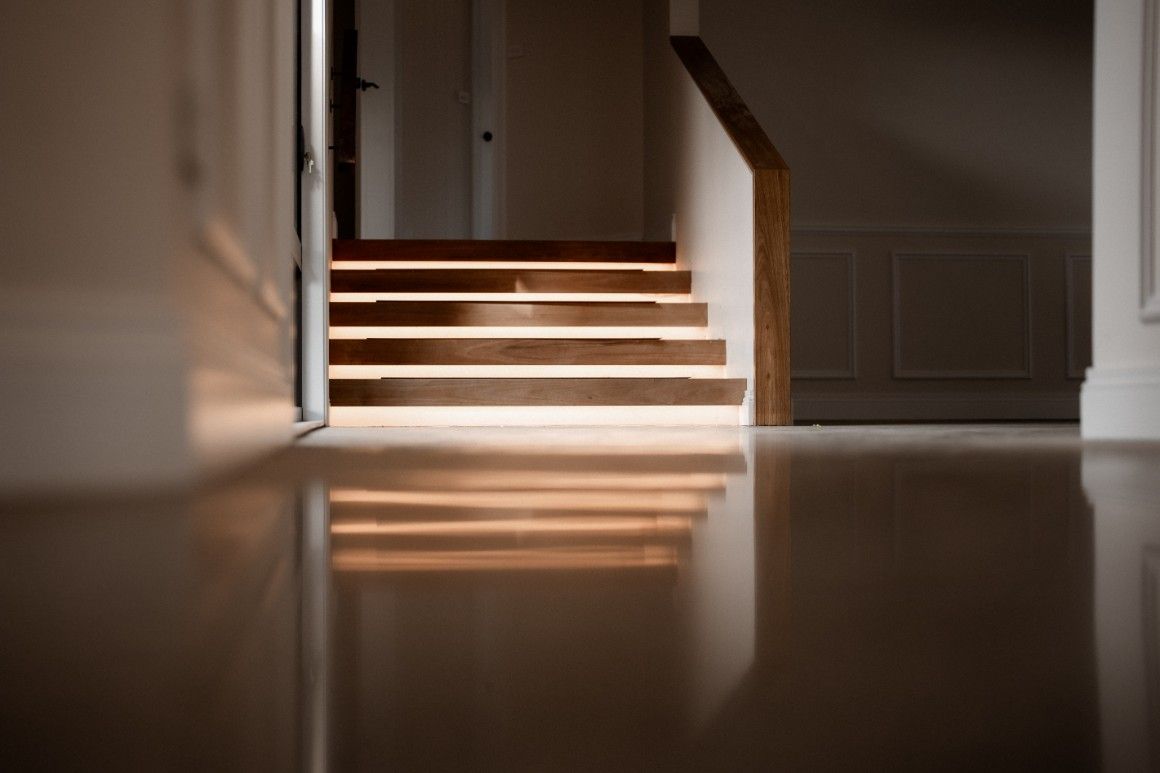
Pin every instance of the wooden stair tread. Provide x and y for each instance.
(535, 391)
(509, 250)
(507, 314)
(507, 280)
(525, 351)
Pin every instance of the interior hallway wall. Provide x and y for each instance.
(376, 119)
(574, 119)
(941, 191)
(432, 124)
(147, 236)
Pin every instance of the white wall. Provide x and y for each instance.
(1121, 397)
(567, 124)
(941, 115)
(574, 119)
(144, 336)
(433, 128)
(376, 119)
(714, 218)
(698, 180)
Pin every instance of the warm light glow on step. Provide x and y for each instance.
(658, 526)
(538, 415)
(531, 331)
(508, 448)
(527, 371)
(587, 500)
(513, 297)
(540, 559)
(355, 265)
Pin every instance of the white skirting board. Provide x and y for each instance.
(1121, 404)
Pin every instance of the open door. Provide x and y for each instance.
(430, 140)
(344, 86)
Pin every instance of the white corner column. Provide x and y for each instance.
(1121, 396)
(316, 211)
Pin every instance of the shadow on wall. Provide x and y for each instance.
(995, 94)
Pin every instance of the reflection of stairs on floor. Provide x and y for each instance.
(513, 510)
(501, 332)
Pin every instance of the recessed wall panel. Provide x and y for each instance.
(961, 316)
(1079, 315)
(822, 310)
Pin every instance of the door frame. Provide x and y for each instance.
(488, 59)
(316, 210)
(488, 159)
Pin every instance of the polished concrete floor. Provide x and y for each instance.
(840, 598)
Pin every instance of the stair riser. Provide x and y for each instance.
(508, 297)
(530, 392)
(525, 371)
(665, 333)
(485, 265)
(502, 249)
(509, 281)
(556, 315)
(520, 351)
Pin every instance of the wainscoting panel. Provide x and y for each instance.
(913, 324)
(1079, 315)
(961, 316)
(823, 316)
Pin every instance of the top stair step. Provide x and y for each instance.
(504, 250)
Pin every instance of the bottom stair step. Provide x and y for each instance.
(536, 391)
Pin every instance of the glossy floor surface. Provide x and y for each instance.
(851, 598)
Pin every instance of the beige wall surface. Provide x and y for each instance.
(574, 119)
(433, 128)
(145, 281)
(898, 113)
(941, 159)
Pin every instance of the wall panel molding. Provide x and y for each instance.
(1034, 307)
(942, 232)
(850, 371)
(902, 371)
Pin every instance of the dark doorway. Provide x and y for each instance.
(345, 83)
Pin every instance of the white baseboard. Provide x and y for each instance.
(1121, 404)
(305, 427)
(937, 407)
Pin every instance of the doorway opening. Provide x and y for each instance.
(417, 121)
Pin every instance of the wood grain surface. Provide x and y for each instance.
(525, 351)
(499, 249)
(507, 280)
(535, 391)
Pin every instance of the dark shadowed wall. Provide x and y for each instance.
(941, 157)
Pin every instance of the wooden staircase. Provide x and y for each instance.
(519, 333)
